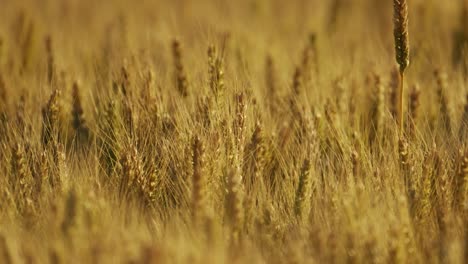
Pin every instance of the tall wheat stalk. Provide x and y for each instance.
(400, 33)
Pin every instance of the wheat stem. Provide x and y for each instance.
(400, 105)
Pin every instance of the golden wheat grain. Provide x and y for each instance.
(216, 73)
(445, 111)
(50, 116)
(240, 121)
(181, 82)
(464, 182)
(79, 121)
(22, 182)
(400, 33)
(257, 149)
(355, 160)
(60, 170)
(297, 84)
(42, 176)
(198, 182)
(304, 192)
(148, 187)
(404, 154)
(427, 188)
(204, 111)
(444, 205)
(235, 201)
(131, 170)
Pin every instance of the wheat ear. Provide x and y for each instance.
(400, 33)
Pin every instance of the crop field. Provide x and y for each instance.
(243, 131)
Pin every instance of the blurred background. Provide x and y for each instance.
(356, 33)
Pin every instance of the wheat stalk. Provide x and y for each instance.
(258, 151)
(240, 121)
(198, 181)
(297, 81)
(400, 33)
(21, 184)
(463, 180)
(79, 121)
(180, 76)
(235, 210)
(132, 170)
(394, 86)
(111, 146)
(216, 73)
(50, 59)
(444, 105)
(61, 170)
(147, 184)
(51, 115)
(42, 172)
(303, 193)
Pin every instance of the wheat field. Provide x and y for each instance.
(246, 131)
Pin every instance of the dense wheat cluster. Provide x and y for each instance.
(247, 131)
